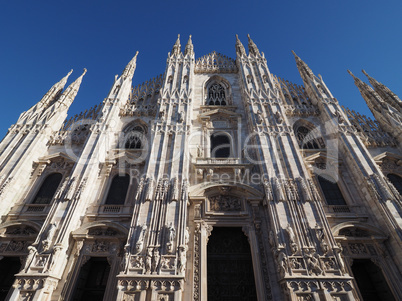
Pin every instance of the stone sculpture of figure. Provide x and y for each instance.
(278, 117)
(313, 264)
(126, 256)
(32, 251)
(282, 260)
(148, 261)
(140, 242)
(56, 252)
(180, 117)
(271, 239)
(172, 232)
(199, 151)
(259, 117)
(292, 239)
(50, 232)
(155, 261)
(186, 236)
(181, 263)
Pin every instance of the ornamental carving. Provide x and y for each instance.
(224, 203)
(215, 63)
(102, 232)
(20, 231)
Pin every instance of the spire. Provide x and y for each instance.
(252, 48)
(304, 69)
(189, 47)
(54, 91)
(176, 47)
(71, 92)
(382, 90)
(239, 47)
(372, 99)
(130, 68)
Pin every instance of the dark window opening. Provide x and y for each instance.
(216, 95)
(230, 274)
(48, 189)
(134, 138)
(396, 181)
(332, 193)
(220, 145)
(9, 266)
(92, 280)
(371, 281)
(307, 139)
(118, 190)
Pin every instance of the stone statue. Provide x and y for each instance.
(155, 261)
(292, 239)
(148, 261)
(32, 251)
(181, 264)
(140, 242)
(170, 237)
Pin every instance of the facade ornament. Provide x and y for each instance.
(50, 232)
(148, 261)
(174, 190)
(140, 242)
(259, 117)
(278, 117)
(278, 190)
(155, 261)
(150, 189)
(292, 239)
(181, 263)
(170, 237)
(313, 263)
(32, 251)
(126, 258)
(282, 261)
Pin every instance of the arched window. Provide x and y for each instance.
(134, 138)
(307, 139)
(396, 181)
(216, 95)
(118, 190)
(332, 193)
(220, 145)
(48, 189)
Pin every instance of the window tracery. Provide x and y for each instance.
(308, 139)
(216, 95)
(134, 138)
(396, 181)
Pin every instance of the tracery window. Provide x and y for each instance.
(220, 145)
(396, 181)
(216, 95)
(134, 138)
(332, 193)
(118, 190)
(307, 139)
(48, 189)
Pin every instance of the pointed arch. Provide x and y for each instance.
(308, 135)
(217, 91)
(48, 189)
(118, 190)
(133, 135)
(396, 181)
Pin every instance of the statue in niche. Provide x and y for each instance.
(170, 237)
(148, 261)
(271, 238)
(181, 263)
(49, 236)
(140, 242)
(186, 236)
(162, 115)
(32, 251)
(259, 117)
(292, 239)
(278, 117)
(126, 257)
(180, 117)
(282, 260)
(199, 151)
(155, 261)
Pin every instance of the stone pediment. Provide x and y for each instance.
(215, 62)
(388, 156)
(56, 157)
(218, 112)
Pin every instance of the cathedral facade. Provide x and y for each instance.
(214, 181)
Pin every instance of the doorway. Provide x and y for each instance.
(92, 280)
(371, 281)
(230, 274)
(9, 266)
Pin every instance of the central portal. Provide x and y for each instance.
(229, 266)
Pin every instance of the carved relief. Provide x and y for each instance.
(224, 203)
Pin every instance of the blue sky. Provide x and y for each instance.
(42, 40)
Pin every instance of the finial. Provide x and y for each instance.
(176, 46)
(239, 47)
(189, 47)
(85, 71)
(365, 73)
(350, 72)
(252, 47)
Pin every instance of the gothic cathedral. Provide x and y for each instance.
(214, 181)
